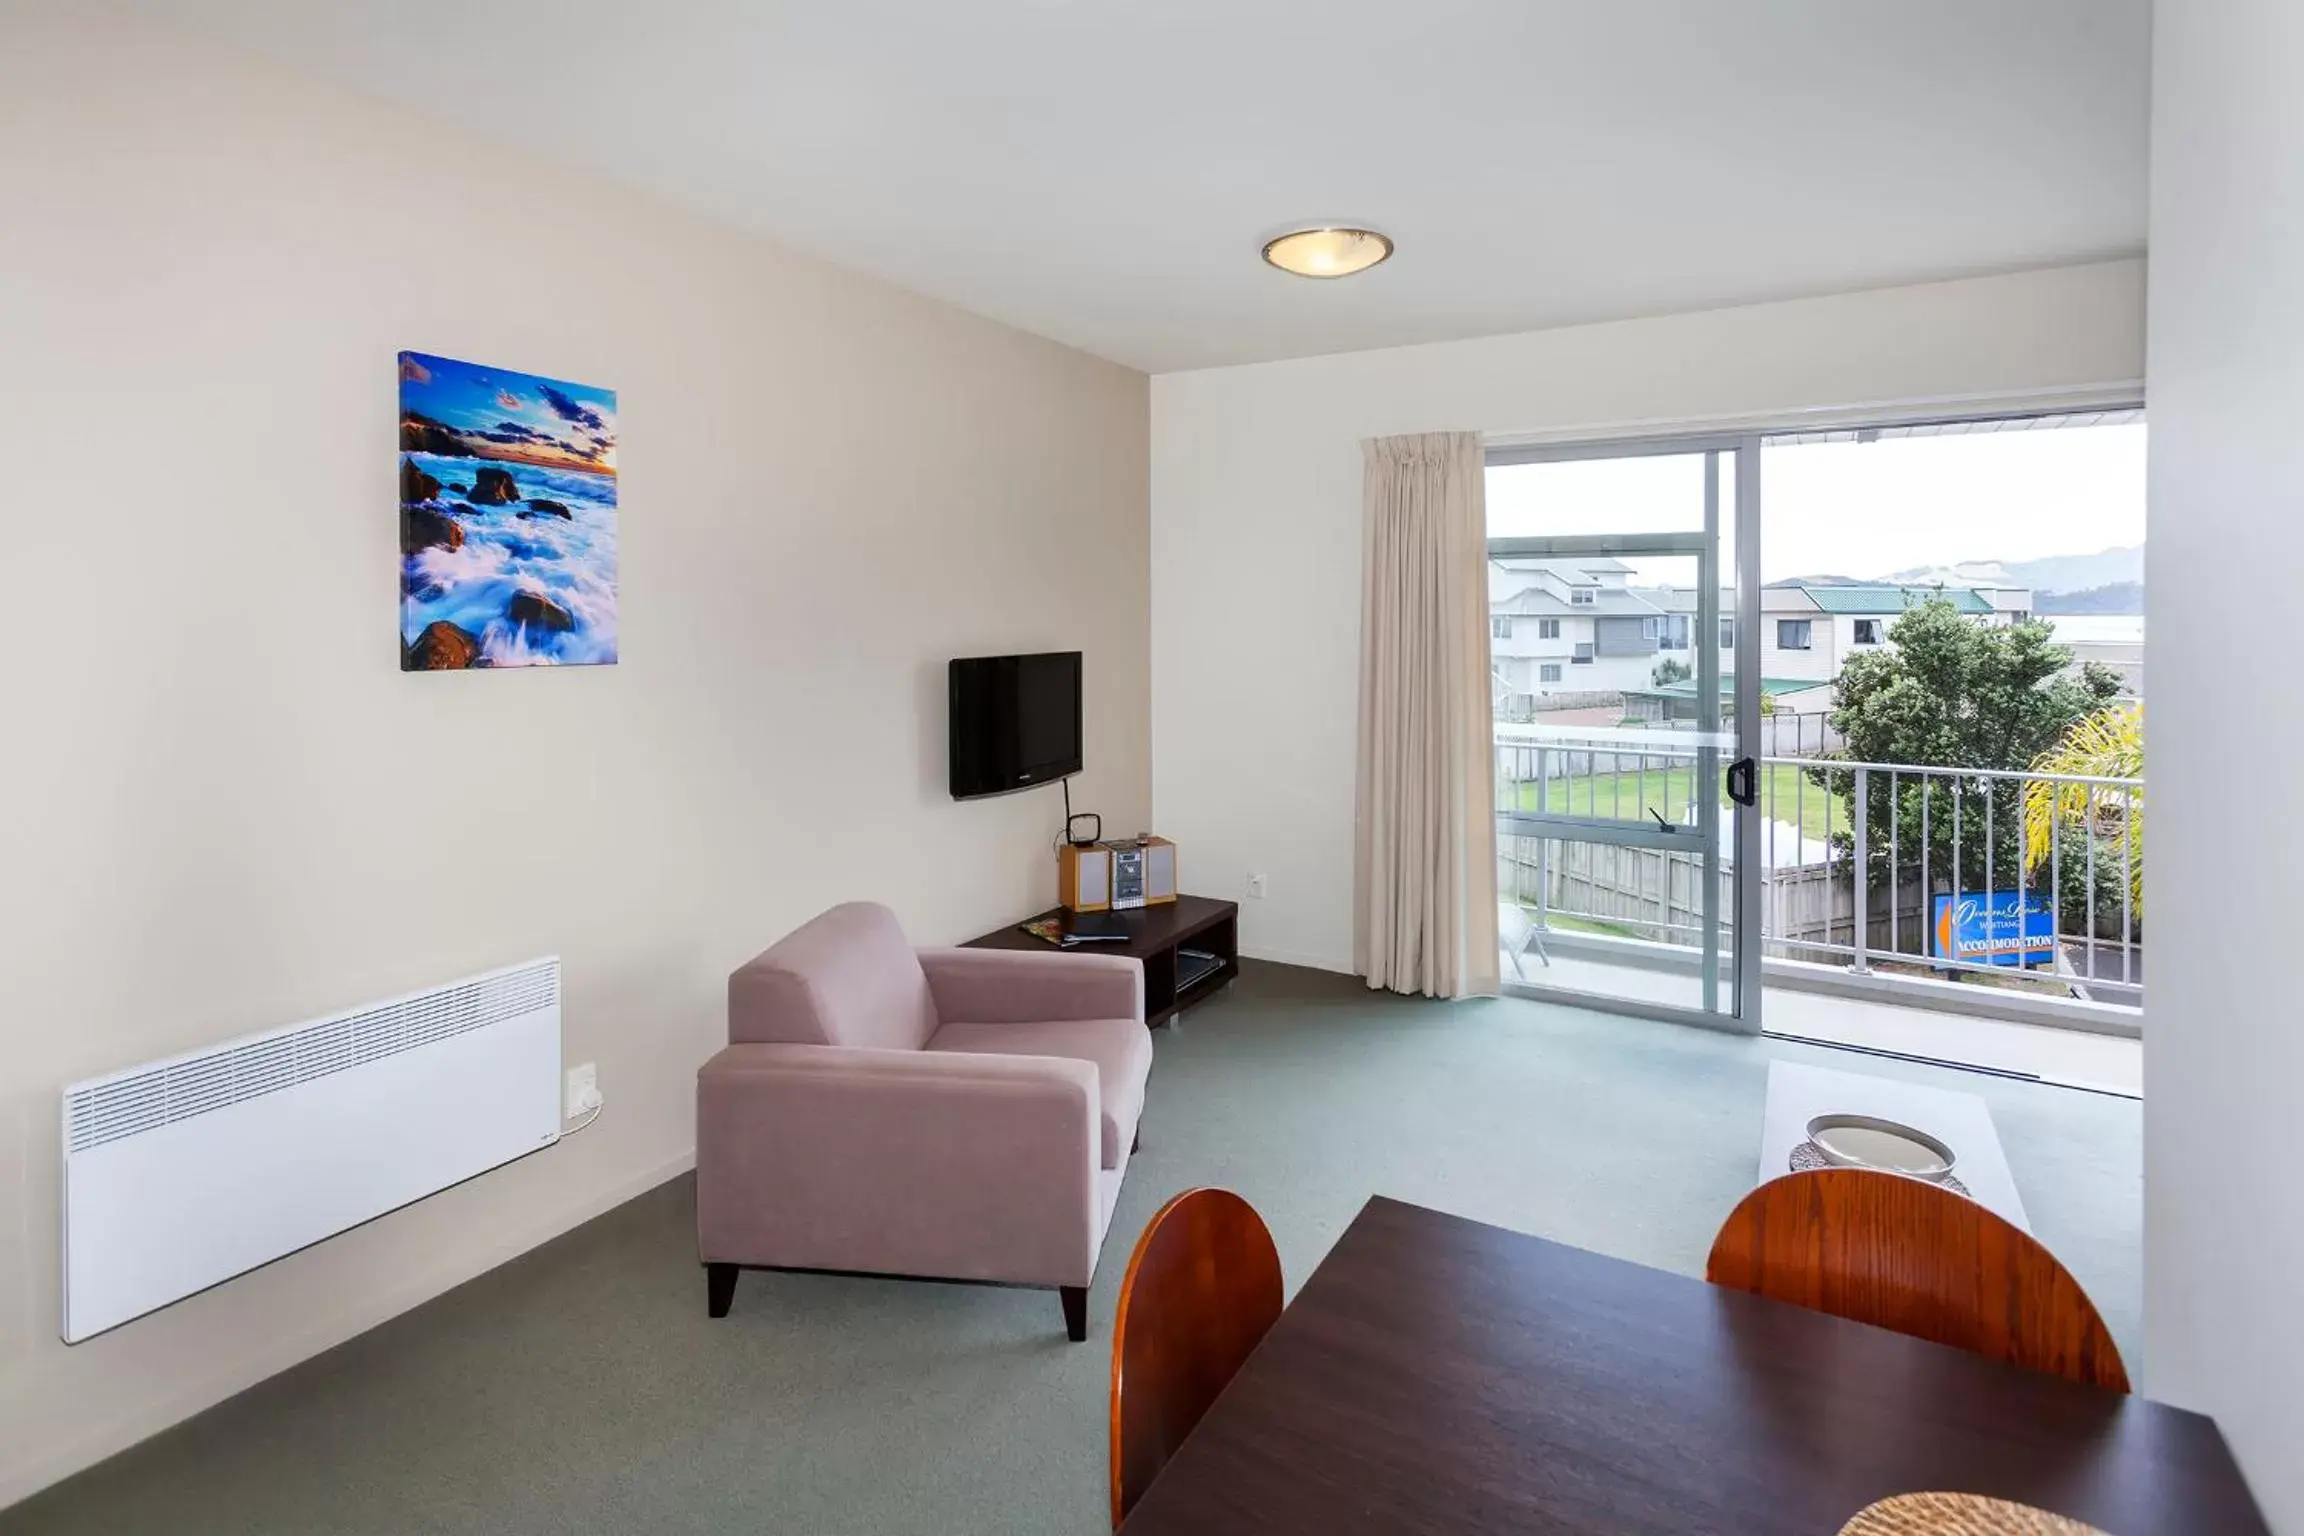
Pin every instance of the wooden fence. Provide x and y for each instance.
(1658, 894)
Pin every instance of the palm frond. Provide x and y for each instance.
(2106, 745)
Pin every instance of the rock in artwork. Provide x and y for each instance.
(507, 518)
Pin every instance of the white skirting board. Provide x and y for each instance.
(1307, 962)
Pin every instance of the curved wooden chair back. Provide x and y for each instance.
(1202, 1290)
(1920, 1259)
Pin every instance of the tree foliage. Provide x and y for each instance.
(1948, 692)
(2108, 744)
(1671, 670)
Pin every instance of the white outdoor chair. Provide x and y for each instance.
(1518, 935)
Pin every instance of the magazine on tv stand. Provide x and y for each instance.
(1065, 932)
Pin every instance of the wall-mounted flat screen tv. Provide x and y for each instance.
(1015, 721)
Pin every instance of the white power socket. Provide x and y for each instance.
(580, 1094)
(1256, 886)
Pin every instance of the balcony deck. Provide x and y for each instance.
(2109, 1063)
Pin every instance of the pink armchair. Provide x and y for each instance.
(960, 1114)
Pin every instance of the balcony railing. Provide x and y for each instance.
(1890, 870)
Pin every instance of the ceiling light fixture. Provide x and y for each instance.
(1327, 251)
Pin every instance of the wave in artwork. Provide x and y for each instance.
(507, 518)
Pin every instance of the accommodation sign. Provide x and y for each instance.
(2002, 928)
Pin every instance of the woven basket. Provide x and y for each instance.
(1959, 1514)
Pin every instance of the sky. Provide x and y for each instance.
(1861, 509)
(512, 415)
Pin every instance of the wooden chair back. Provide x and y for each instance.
(1920, 1259)
(1202, 1290)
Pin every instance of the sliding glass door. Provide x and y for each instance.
(1623, 618)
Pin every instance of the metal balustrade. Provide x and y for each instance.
(1857, 858)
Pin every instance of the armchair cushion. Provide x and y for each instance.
(1120, 1049)
(846, 977)
(1007, 986)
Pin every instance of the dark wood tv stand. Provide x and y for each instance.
(1155, 936)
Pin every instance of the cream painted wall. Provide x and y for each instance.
(226, 809)
(2223, 1221)
(1256, 519)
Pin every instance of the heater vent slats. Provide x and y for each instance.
(140, 1100)
(182, 1173)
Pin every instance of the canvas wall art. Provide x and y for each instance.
(507, 518)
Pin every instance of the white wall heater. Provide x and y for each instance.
(180, 1174)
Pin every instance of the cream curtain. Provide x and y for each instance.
(1425, 858)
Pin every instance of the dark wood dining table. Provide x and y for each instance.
(1439, 1375)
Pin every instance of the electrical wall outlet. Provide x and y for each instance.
(580, 1094)
(1256, 886)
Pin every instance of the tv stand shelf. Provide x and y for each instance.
(1157, 936)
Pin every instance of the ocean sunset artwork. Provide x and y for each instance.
(507, 518)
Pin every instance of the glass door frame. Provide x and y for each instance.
(1737, 1005)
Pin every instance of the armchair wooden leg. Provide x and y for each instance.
(1075, 1298)
(719, 1288)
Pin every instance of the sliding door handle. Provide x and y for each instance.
(1743, 786)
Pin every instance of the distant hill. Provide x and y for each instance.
(2112, 597)
(1968, 573)
(2109, 581)
(2081, 573)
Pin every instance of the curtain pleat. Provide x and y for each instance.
(1424, 852)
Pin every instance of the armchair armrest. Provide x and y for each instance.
(971, 1166)
(1007, 986)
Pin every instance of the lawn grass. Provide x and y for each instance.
(1562, 922)
(1785, 795)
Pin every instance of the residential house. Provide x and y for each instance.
(1567, 627)
(1809, 630)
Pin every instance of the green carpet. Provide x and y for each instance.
(581, 1387)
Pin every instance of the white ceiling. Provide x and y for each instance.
(1103, 173)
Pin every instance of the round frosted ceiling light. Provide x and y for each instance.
(1327, 251)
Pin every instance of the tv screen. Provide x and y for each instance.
(1015, 721)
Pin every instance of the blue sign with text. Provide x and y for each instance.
(2005, 928)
